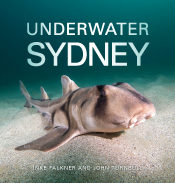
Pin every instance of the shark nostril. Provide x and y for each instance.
(150, 115)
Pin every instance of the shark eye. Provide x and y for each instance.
(102, 92)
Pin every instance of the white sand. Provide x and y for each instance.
(145, 153)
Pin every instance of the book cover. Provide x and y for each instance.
(89, 71)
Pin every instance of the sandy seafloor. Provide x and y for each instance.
(145, 153)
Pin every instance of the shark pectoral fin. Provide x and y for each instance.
(68, 85)
(49, 142)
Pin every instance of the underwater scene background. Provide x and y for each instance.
(149, 146)
(158, 58)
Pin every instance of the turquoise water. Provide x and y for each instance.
(158, 58)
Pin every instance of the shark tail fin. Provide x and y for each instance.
(26, 94)
(44, 95)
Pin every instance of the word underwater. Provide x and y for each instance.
(73, 28)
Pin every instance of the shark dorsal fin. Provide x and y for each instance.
(68, 85)
(44, 95)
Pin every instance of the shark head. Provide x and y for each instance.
(117, 107)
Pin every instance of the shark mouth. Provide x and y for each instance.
(134, 121)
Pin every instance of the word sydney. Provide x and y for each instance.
(92, 47)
